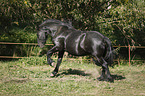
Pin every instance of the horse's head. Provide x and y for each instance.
(43, 33)
(49, 27)
(41, 37)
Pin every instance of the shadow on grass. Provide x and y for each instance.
(17, 81)
(82, 73)
(118, 77)
(73, 72)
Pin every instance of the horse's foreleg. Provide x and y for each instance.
(60, 56)
(49, 54)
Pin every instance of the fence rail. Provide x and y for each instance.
(129, 49)
(9, 43)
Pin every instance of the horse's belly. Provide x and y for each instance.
(75, 53)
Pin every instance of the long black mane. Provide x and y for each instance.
(57, 22)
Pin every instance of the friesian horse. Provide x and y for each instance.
(79, 43)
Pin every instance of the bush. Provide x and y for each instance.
(18, 35)
(125, 22)
(120, 20)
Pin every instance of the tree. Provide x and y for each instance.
(120, 20)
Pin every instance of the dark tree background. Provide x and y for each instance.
(122, 21)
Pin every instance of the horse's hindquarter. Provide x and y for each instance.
(98, 44)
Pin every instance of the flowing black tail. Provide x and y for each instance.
(109, 51)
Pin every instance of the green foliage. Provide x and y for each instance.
(120, 20)
(15, 12)
(19, 35)
(123, 24)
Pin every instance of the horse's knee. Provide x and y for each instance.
(104, 65)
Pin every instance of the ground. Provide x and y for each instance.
(20, 77)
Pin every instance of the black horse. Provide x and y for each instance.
(79, 43)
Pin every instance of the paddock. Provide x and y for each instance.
(30, 77)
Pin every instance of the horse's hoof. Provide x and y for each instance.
(50, 62)
(100, 79)
(53, 74)
(110, 80)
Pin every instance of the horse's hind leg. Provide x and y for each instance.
(102, 77)
(105, 71)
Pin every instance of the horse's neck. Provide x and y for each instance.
(60, 30)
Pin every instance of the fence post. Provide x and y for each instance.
(129, 54)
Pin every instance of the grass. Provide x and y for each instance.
(25, 78)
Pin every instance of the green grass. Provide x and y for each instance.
(25, 78)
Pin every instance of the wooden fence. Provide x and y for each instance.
(9, 43)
